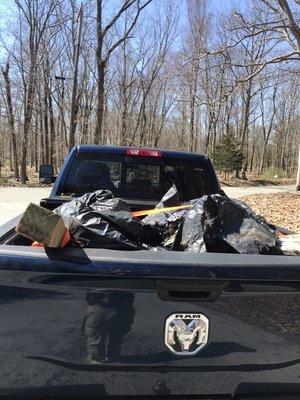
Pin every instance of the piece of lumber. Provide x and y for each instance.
(42, 225)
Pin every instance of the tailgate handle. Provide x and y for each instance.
(189, 290)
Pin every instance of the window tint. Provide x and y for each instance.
(137, 178)
(142, 179)
(190, 179)
(90, 174)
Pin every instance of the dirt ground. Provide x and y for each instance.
(282, 209)
(7, 178)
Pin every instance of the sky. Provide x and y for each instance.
(215, 5)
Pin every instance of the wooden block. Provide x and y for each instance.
(42, 225)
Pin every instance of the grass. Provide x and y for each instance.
(3, 180)
(271, 173)
(266, 178)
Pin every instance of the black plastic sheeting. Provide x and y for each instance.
(213, 223)
(167, 223)
(98, 220)
(170, 199)
(218, 224)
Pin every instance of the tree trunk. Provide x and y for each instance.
(28, 107)
(193, 91)
(52, 130)
(124, 117)
(252, 157)
(207, 140)
(74, 101)
(263, 158)
(46, 124)
(11, 168)
(36, 142)
(245, 125)
(98, 139)
(101, 66)
(298, 173)
(11, 120)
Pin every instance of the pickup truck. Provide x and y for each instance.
(99, 323)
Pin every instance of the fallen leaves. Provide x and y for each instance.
(282, 209)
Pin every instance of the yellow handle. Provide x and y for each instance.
(159, 210)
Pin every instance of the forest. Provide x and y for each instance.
(194, 75)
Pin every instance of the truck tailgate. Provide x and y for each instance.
(91, 323)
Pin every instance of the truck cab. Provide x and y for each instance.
(140, 176)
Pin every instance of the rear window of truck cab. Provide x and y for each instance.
(136, 177)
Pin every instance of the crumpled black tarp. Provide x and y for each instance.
(98, 220)
(168, 222)
(170, 199)
(216, 223)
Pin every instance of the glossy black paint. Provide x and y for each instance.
(91, 323)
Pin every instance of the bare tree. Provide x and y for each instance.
(298, 173)
(103, 55)
(35, 17)
(75, 99)
(157, 79)
(11, 119)
(267, 129)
